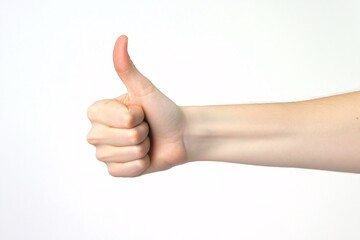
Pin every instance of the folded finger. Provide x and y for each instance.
(104, 135)
(108, 153)
(129, 169)
(112, 113)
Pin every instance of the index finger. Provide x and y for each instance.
(112, 113)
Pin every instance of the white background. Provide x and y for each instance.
(56, 59)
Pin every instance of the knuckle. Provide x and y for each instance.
(102, 155)
(92, 138)
(128, 120)
(94, 109)
(135, 136)
(138, 134)
(96, 134)
(141, 150)
(113, 171)
(146, 127)
(91, 111)
(138, 168)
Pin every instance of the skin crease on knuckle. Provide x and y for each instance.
(142, 149)
(128, 120)
(103, 153)
(92, 139)
(95, 135)
(91, 112)
(138, 134)
(119, 116)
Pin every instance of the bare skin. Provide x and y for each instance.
(143, 131)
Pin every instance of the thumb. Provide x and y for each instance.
(136, 83)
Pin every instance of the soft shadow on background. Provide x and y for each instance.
(56, 59)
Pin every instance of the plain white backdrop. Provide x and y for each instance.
(56, 59)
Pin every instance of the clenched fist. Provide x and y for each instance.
(141, 131)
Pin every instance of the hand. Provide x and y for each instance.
(139, 132)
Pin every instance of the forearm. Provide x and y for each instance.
(321, 133)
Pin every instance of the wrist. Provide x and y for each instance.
(189, 136)
(250, 134)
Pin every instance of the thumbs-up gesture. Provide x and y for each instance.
(141, 131)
